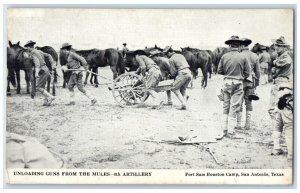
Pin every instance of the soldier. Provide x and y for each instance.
(165, 69)
(264, 61)
(152, 78)
(181, 73)
(235, 68)
(282, 74)
(74, 63)
(249, 84)
(39, 60)
(125, 50)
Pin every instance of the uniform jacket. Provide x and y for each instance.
(283, 65)
(234, 65)
(177, 63)
(145, 63)
(75, 61)
(39, 60)
(254, 63)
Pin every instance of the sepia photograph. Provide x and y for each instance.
(112, 94)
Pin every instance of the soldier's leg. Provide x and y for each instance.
(273, 103)
(277, 134)
(287, 118)
(169, 95)
(235, 106)
(249, 108)
(80, 87)
(186, 81)
(226, 107)
(70, 85)
(41, 82)
(177, 84)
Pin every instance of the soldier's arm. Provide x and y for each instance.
(173, 70)
(50, 59)
(247, 68)
(282, 61)
(142, 65)
(220, 66)
(257, 69)
(79, 59)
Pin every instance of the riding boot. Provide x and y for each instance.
(238, 120)
(276, 139)
(231, 124)
(169, 98)
(72, 96)
(48, 97)
(224, 127)
(248, 120)
(289, 142)
(88, 95)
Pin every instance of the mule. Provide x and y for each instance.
(22, 61)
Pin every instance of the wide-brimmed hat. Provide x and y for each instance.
(246, 41)
(154, 53)
(29, 43)
(124, 44)
(167, 49)
(65, 46)
(233, 39)
(280, 41)
(139, 52)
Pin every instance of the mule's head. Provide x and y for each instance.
(15, 46)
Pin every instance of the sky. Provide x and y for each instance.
(110, 28)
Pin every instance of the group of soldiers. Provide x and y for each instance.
(240, 68)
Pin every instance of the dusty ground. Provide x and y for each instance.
(107, 136)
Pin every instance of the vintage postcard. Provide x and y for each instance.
(149, 96)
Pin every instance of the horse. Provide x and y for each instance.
(198, 59)
(218, 53)
(22, 60)
(10, 69)
(99, 58)
(52, 52)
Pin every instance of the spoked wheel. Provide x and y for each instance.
(129, 90)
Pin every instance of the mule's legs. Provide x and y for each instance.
(87, 76)
(95, 70)
(114, 70)
(48, 83)
(27, 79)
(8, 88)
(18, 81)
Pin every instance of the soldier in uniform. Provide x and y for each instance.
(182, 74)
(147, 65)
(75, 62)
(165, 69)
(39, 60)
(249, 84)
(235, 68)
(264, 61)
(282, 74)
(125, 50)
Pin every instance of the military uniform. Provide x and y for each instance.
(249, 85)
(182, 73)
(235, 68)
(148, 65)
(264, 61)
(39, 60)
(75, 62)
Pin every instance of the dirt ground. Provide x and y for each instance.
(108, 136)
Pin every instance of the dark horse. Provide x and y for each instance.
(198, 59)
(52, 52)
(10, 69)
(22, 60)
(218, 53)
(99, 58)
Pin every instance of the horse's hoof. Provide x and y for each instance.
(8, 94)
(96, 85)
